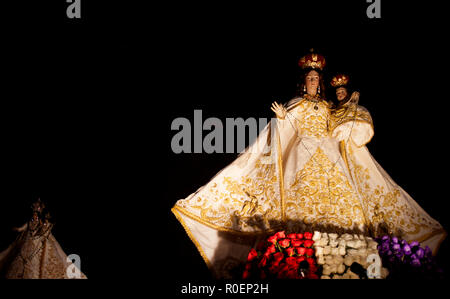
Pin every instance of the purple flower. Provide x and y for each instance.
(399, 254)
(428, 252)
(420, 253)
(415, 263)
(394, 239)
(385, 247)
(403, 242)
(385, 238)
(407, 249)
(396, 247)
(414, 244)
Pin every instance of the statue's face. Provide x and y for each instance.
(312, 82)
(341, 93)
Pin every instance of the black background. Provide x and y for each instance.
(86, 109)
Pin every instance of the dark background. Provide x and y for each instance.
(86, 109)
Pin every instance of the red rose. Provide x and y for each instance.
(296, 242)
(299, 236)
(308, 243)
(292, 236)
(248, 266)
(301, 250)
(284, 267)
(292, 274)
(277, 257)
(273, 239)
(309, 252)
(252, 255)
(300, 259)
(280, 235)
(290, 251)
(308, 235)
(310, 261)
(291, 261)
(274, 268)
(246, 274)
(271, 249)
(263, 262)
(284, 243)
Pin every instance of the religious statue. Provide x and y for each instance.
(35, 254)
(309, 169)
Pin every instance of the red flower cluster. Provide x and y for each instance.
(281, 256)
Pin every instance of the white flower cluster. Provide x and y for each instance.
(337, 253)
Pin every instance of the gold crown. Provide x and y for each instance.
(312, 60)
(339, 80)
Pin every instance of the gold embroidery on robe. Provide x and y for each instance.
(321, 194)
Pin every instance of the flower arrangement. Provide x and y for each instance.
(344, 256)
(407, 260)
(282, 256)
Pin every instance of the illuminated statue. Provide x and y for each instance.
(308, 169)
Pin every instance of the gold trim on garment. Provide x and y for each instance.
(281, 179)
(219, 228)
(345, 158)
(191, 236)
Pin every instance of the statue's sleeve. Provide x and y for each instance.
(357, 124)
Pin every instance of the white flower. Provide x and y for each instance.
(347, 237)
(320, 260)
(338, 259)
(333, 236)
(333, 243)
(326, 250)
(329, 260)
(348, 260)
(342, 250)
(362, 252)
(322, 242)
(358, 244)
(326, 269)
(351, 244)
(319, 251)
(340, 268)
(316, 237)
(334, 251)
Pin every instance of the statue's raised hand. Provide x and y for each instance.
(279, 110)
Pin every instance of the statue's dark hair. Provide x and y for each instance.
(301, 83)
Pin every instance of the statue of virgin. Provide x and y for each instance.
(308, 169)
